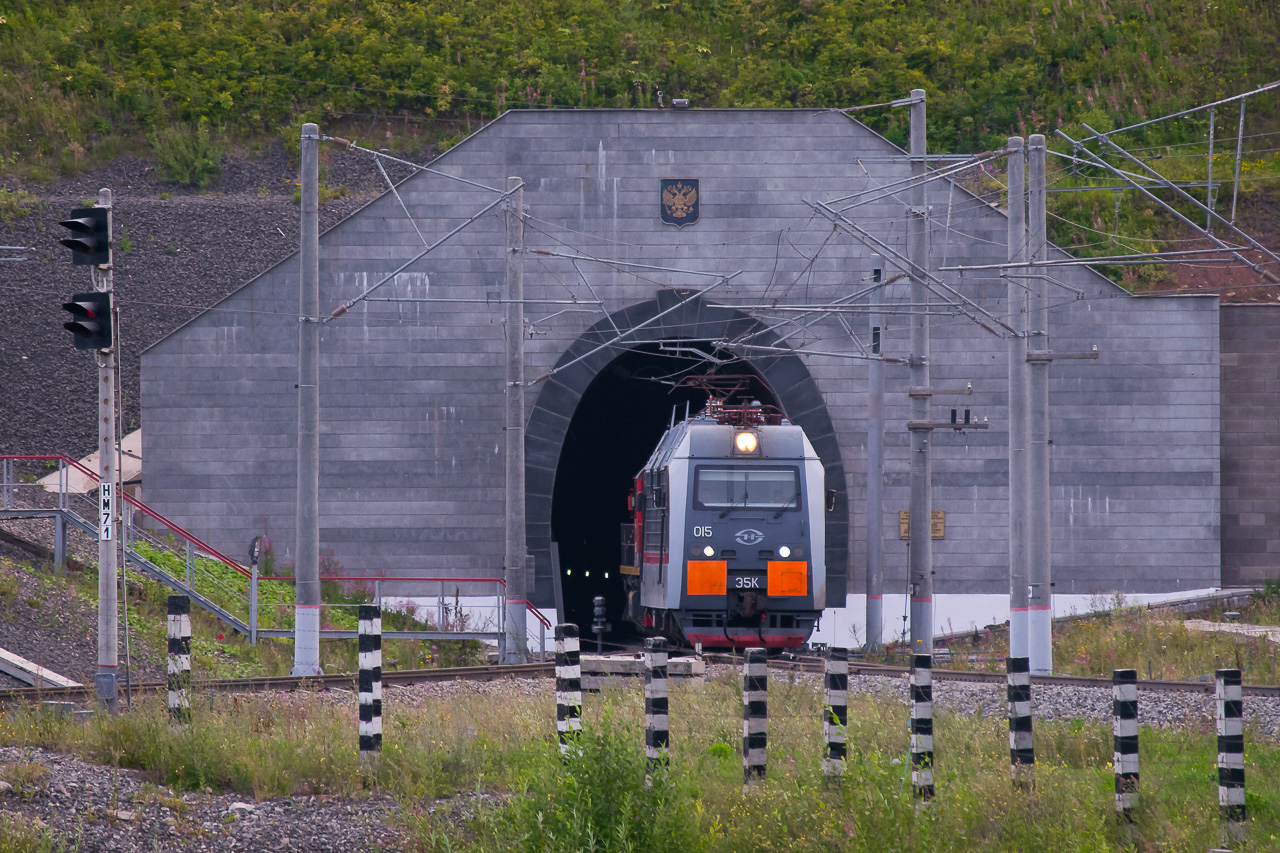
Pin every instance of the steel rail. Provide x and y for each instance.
(288, 682)
(816, 665)
(545, 669)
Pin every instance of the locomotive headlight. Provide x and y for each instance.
(784, 552)
(745, 442)
(709, 551)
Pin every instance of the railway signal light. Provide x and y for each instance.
(92, 320)
(598, 625)
(90, 243)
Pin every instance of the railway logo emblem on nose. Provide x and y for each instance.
(750, 536)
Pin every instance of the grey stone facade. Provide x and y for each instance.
(412, 393)
(1250, 444)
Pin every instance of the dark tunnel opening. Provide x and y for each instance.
(614, 429)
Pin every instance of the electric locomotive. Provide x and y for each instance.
(728, 543)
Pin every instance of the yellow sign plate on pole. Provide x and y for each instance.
(938, 528)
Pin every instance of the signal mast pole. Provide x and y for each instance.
(108, 496)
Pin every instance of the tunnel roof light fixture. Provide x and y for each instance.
(746, 443)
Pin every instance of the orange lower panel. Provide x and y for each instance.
(788, 577)
(706, 577)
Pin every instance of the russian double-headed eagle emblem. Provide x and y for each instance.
(679, 201)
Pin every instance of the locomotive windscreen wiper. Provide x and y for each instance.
(731, 507)
(789, 502)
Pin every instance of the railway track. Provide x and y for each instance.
(346, 681)
(546, 669)
(816, 665)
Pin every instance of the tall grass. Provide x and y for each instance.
(1159, 644)
(471, 742)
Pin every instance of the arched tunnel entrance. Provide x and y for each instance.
(599, 414)
(614, 429)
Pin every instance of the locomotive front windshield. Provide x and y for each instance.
(776, 488)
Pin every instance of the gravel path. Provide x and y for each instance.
(94, 808)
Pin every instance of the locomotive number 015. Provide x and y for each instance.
(702, 531)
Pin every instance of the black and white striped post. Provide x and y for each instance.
(568, 689)
(656, 722)
(922, 726)
(1230, 695)
(835, 712)
(179, 669)
(370, 662)
(1022, 753)
(755, 715)
(1124, 709)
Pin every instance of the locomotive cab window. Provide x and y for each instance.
(776, 488)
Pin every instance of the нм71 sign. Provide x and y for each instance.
(106, 510)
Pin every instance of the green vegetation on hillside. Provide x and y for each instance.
(77, 78)
(82, 82)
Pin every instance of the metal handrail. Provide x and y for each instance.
(146, 510)
(387, 579)
(253, 577)
(537, 614)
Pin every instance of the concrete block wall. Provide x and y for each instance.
(412, 437)
(1250, 444)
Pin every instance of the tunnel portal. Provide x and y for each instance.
(614, 429)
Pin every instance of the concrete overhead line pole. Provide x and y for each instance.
(306, 638)
(875, 476)
(1040, 540)
(1019, 427)
(108, 492)
(920, 568)
(515, 572)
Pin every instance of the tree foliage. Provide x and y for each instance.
(75, 74)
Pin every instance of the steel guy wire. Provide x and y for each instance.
(750, 237)
(931, 282)
(1107, 134)
(1100, 161)
(346, 306)
(892, 189)
(352, 146)
(391, 186)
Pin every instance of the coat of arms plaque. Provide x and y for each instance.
(679, 201)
